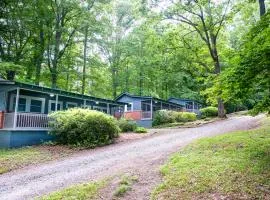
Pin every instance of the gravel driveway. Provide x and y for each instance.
(146, 153)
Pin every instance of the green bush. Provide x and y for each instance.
(127, 125)
(140, 130)
(185, 117)
(168, 116)
(209, 112)
(83, 127)
(163, 117)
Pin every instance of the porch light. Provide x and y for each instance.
(51, 95)
(156, 102)
(97, 102)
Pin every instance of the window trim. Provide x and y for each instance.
(28, 103)
(131, 107)
(54, 101)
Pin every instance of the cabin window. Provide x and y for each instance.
(21, 104)
(146, 107)
(71, 105)
(130, 107)
(36, 106)
(28, 104)
(101, 109)
(52, 104)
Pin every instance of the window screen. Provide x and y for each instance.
(36, 106)
(21, 105)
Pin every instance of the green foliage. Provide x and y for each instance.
(185, 116)
(209, 112)
(125, 185)
(168, 116)
(163, 117)
(140, 130)
(126, 125)
(81, 191)
(230, 166)
(83, 127)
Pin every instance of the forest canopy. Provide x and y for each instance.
(215, 51)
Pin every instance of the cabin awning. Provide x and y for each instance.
(10, 85)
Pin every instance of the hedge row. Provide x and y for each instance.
(209, 112)
(168, 116)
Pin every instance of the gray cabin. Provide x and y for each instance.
(142, 108)
(188, 104)
(24, 110)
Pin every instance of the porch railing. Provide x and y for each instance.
(26, 121)
(146, 115)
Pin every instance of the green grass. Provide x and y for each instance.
(233, 166)
(125, 185)
(11, 159)
(81, 192)
(15, 158)
(140, 130)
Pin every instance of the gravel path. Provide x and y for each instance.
(142, 155)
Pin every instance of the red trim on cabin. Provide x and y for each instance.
(2, 115)
(133, 115)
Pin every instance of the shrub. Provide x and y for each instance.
(163, 117)
(127, 125)
(209, 112)
(83, 127)
(141, 130)
(185, 117)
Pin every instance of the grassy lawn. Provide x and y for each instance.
(231, 166)
(11, 159)
(82, 192)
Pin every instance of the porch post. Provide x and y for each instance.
(16, 108)
(161, 105)
(151, 108)
(193, 106)
(84, 103)
(56, 102)
(108, 108)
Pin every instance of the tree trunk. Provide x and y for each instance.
(39, 57)
(221, 108)
(84, 60)
(114, 81)
(10, 75)
(54, 80)
(262, 7)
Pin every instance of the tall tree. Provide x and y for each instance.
(206, 18)
(62, 31)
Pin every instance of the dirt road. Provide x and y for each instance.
(142, 156)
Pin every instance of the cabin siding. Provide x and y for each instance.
(135, 101)
(3, 101)
(19, 138)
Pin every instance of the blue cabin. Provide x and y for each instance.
(142, 108)
(188, 104)
(24, 110)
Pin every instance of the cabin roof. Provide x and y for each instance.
(145, 98)
(60, 92)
